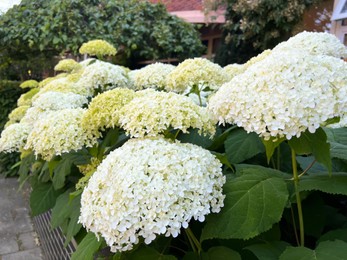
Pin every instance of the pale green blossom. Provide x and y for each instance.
(193, 72)
(59, 132)
(31, 83)
(103, 110)
(155, 112)
(67, 65)
(97, 48)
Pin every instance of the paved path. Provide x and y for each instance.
(18, 240)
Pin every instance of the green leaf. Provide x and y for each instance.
(194, 137)
(327, 250)
(240, 146)
(335, 183)
(87, 248)
(338, 150)
(43, 198)
(219, 140)
(62, 169)
(254, 202)
(222, 253)
(271, 145)
(340, 234)
(338, 135)
(269, 251)
(316, 144)
(148, 253)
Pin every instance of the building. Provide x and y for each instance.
(339, 20)
(193, 11)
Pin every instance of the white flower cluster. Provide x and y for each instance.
(150, 187)
(284, 94)
(155, 112)
(103, 76)
(53, 100)
(58, 132)
(194, 72)
(152, 76)
(317, 43)
(13, 138)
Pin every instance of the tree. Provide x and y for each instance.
(138, 29)
(254, 26)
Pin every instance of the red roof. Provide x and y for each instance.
(181, 5)
(192, 11)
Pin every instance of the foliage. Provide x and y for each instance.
(254, 26)
(9, 93)
(146, 196)
(32, 32)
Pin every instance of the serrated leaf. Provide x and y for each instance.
(338, 150)
(240, 146)
(335, 183)
(42, 198)
(337, 234)
(338, 135)
(222, 253)
(87, 248)
(270, 146)
(327, 250)
(194, 137)
(148, 253)
(269, 251)
(254, 202)
(316, 144)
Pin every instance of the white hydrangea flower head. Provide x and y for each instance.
(32, 115)
(87, 62)
(98, 48)
(14, 137)
(256, 59)
(52, 100)
(193, 72)
(284, 95)
(152, 76)
(18, 113)
(59, 132)
(150, 187)
(317, 43)
(103, 76)
(153, 112)
(67, 65)
(103, 110)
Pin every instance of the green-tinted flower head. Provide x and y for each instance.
(31, 83)
(18, 113)
(98, 48)
(194, 72)
(59, 132)
(25, 99)
(103, 110)
(155, 112)
(67, 65)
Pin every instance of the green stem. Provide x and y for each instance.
(195, 241)
(178, 131)
(298, 199)
(200, 101)
(190, 241)
(278, 158)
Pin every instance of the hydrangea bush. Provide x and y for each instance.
(194, 161)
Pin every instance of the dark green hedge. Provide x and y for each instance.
(9, 93)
